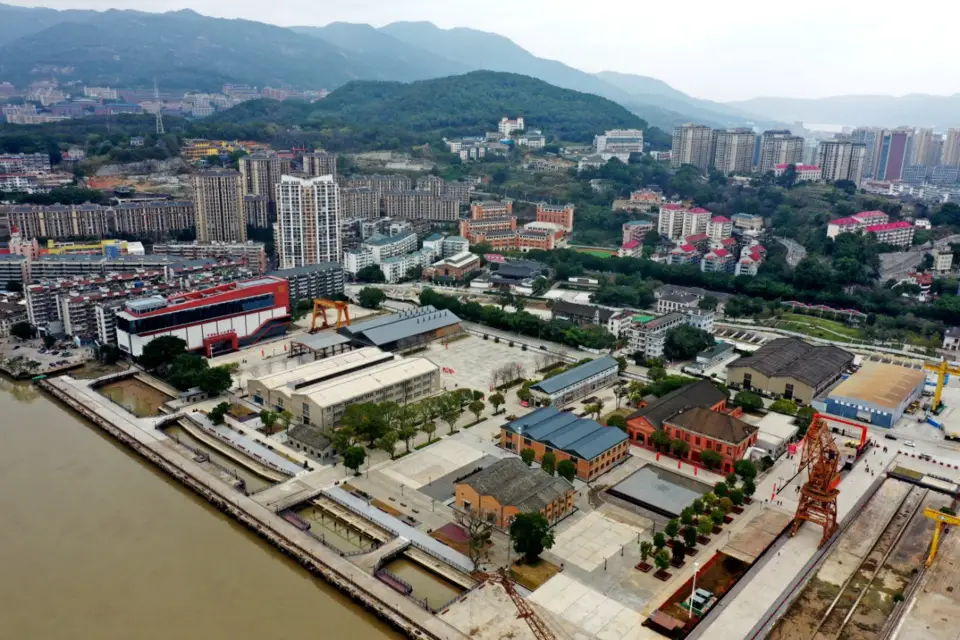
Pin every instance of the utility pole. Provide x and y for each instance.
(156, 97)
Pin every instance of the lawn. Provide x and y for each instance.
(818, 327)
(532, 576)
(596, 253)
(622, 411)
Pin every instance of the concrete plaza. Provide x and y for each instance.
(591, 538)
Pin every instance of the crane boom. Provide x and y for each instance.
(524, 610)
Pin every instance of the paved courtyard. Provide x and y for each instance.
(591, 539)
(590, 610)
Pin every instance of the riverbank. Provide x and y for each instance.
(379, 599)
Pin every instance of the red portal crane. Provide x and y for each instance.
(818, 496)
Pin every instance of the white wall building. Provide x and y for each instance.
(508, 126)
(307, 230)
(719, 227)
(619, 141)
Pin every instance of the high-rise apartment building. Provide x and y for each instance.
(733, 150)
(779, 147)
(951, 148)
(320, 163)
(219, 206)
(692, 144)
(926, 149)
(259, 174)
(841, 160)
(868, 137)
(308, 221)
(893, 147)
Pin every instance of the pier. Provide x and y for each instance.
(141, 435)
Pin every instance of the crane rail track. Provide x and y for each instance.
(844, 606)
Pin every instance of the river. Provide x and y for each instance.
(95, 544)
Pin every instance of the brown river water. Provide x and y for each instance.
(95, 544)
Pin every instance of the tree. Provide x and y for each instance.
(407, 430)
(268, 419)
(497, 400)
(24, 331)
(523, 393)
(479, 530)
(657, 373)
(366, 420)
(659, 540)
(528, 456)
(371, 273)
(736, 497)
(749, 400)
(680, 448)
(785, 406)
(185, 370)
(618, 421)
(803, 419)
(745, 469)
(687, 516)
(531, 535)
(109, 353)
(717, 517)
(645, 550)
(214, 380)
(429, 427)
(711, 459)
(567, 470)
(731, 480)
(476, 408)
(672, 529)
(749, 488)
(660, 439)
(353, 458)
(388, 443)
(721, 489)
(160, 352)
(371, 297)
(217, 414)
(662, 559)
(679, 550)
(49, 340)
(592, 409)
(697, 506)
(540, 286)
(450, 409)
(708, 303)
(343, 439)
(725, 505)
(684, 342)
(504, 300)
(549, 463)
(705, 526)
(285, 418)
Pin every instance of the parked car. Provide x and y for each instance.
(909, 443)
(890, 437)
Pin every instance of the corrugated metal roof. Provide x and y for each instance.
(583, 438)
(575, 375)
(885, 385)
(400, 326)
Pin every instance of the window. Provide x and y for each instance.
(747, 381)
(526, 442)
(696, 441)
(788, 391)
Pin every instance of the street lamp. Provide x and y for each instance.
(693, 589)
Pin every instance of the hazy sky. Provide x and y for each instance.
(717, 50)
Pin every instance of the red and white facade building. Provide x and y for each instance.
(805, 172)
(750, 260)
(631, 249)
(856, 222)
(211, 321)
(718, 261)
(557, 214)
(720, 227)
(899, 234)
(676, 221)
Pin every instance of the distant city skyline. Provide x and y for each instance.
(702, 48)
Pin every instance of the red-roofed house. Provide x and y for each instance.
(684, 254)
(747, 266)
(805, 172)
(676, 221)
(700, 241)
(719, 228)
(856, 222)
(896, 233)
(632, 249)
(718, 261)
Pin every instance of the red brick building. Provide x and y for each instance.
(698, 415)
(509, 487)
(491, 209)
(561, 215)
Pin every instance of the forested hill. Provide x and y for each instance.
(469, 104)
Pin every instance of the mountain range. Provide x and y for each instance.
(184, 50)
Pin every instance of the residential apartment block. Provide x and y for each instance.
(359, 202)
(308, 221)
(856, 222)
(252, 254)
(692, 144)
(320, 163)
(321, 280)
(380, 184)
(218, 206)
(259, 174)
(779, 147)
(896, 233)
(733, 150)
(676, 221)
(841, 160)
(420, 205)
(142, 219)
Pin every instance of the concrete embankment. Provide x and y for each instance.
(403, 614)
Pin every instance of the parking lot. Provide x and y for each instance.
(32, 357)
(470, 362)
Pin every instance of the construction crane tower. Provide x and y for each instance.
(818, 496)
(156, 97)
(942, 368)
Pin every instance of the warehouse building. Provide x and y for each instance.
(319, 392)
(592, 448)
(577, 382)
(789, 368)
(405, 329)
(878, 393)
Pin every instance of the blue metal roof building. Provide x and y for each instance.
(404, 329)
(593, 448)
(579, 381)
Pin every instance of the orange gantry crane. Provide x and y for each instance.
(524, 610)
(818, 496)
(320, 306)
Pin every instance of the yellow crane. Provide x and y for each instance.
(320, 306)
(941, 519)
(941, 369)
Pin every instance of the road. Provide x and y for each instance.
(795, 251)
